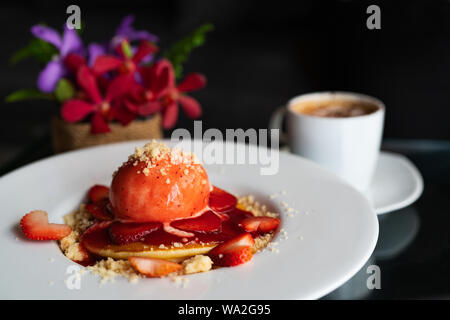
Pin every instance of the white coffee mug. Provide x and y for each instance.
(348, 146)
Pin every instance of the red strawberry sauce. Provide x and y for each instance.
(229, 228)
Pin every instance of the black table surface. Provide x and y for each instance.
(413, 249)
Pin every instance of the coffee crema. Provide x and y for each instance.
(335, 107)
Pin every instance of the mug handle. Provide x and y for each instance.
(276, 122)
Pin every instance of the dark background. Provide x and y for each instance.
(260, 55)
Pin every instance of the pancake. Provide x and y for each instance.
(161, 245)
(172, 253)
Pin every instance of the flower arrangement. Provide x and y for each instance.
(116, 81)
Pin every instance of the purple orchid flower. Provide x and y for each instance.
(95, 50)
(125, 30)
(55, 69)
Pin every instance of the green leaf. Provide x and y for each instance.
(180, 51)
(126, 48)
(64, 90)
(36, 48)
(26, 94)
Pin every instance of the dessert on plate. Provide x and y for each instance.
(160, 216)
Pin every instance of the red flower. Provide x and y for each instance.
(145, 99)
(102, 109)
(174, 95)
(160, 93)
(125, 63)
(74, 62)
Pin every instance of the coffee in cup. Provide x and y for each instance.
(340, 131)
(334, 107)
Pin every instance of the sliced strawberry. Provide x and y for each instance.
(243, 240)
(96, 226)
(123, 233)
(87, 257)
(207, 222)
(100, 210)
(233, 258)
(237, 215)
(98, 193)
(176, 232)
(223, 216)
(221, 201)
(154, 267)
(234, 251)
(36, 227)
(261, 224)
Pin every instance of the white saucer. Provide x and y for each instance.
(396, 183)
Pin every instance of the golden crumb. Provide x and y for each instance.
(79, 220)
(248, 203)
(155, 151)
(109, 269)
(199, 263)
(262, 241)
(175, 278)
(71, 247)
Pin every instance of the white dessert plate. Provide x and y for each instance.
(323, 244)
(396, 183)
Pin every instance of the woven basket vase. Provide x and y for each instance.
(70, 136)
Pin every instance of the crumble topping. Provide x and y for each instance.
(155, 151)
(79, 220)
(109, 268)
(71, 247)
(261, 242)
(248, 203)
(177, 244)
(199, 263)
(178, 280)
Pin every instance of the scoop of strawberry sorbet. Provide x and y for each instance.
(161, 184)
